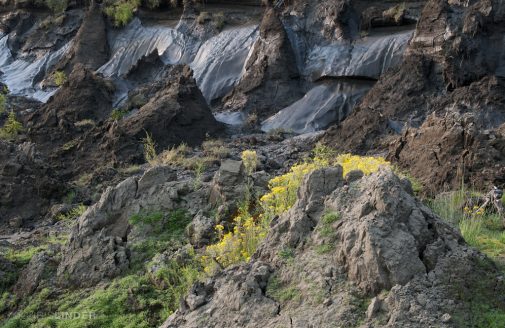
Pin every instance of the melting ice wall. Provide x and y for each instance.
(134, 42)
(219, 63)
(5, 53)
(22, 75)
(369, 57)
(349, 62)
(326, 103)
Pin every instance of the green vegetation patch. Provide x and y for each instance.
(481, 228)
(281, 291)
(11, 128)
(121, 12)
(162, 232)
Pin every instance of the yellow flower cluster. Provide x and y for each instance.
(475, 211)
(250, 160)
(283, 189)
(235, 246)
(239, 244)
(367, 164)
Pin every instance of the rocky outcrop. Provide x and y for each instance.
(269, 82)
(370, 233)
(239, 295)
(449, 51)
(228, 186)
(96, 249)
(98, 246)
(32, 275)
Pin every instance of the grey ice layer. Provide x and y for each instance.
(22, 76)
(220, 61)
(327, 103)
(331, 101)
(135, 41)
(5, 54)
(368, 57)
(231, 118)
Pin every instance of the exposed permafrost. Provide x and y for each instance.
(331, 101)
(22, 76)
(326, 103)
(5, 53)
(219, 63)
(136, 41)
(369, 57)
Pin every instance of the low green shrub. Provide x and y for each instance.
(121, 12)
(59, 78)
(11, 128)
(324, 249)
(72, 215)
(56, 6)
(165, 231)
(149, 148)
(21, 257)
(330, 217)
(117, 114)
(280, 291)
(471, 229)
(146, 218)
(286, 253)
(482, 229)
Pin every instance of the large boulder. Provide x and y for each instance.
(98, 248)
(228, 187)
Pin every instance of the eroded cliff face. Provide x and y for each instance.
(127, 163)
(455, 51)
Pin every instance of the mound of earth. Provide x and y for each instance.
(461, 140)
(361, 253)
(84, 97)
(270, 80)
(90, 47)
(175, 113)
